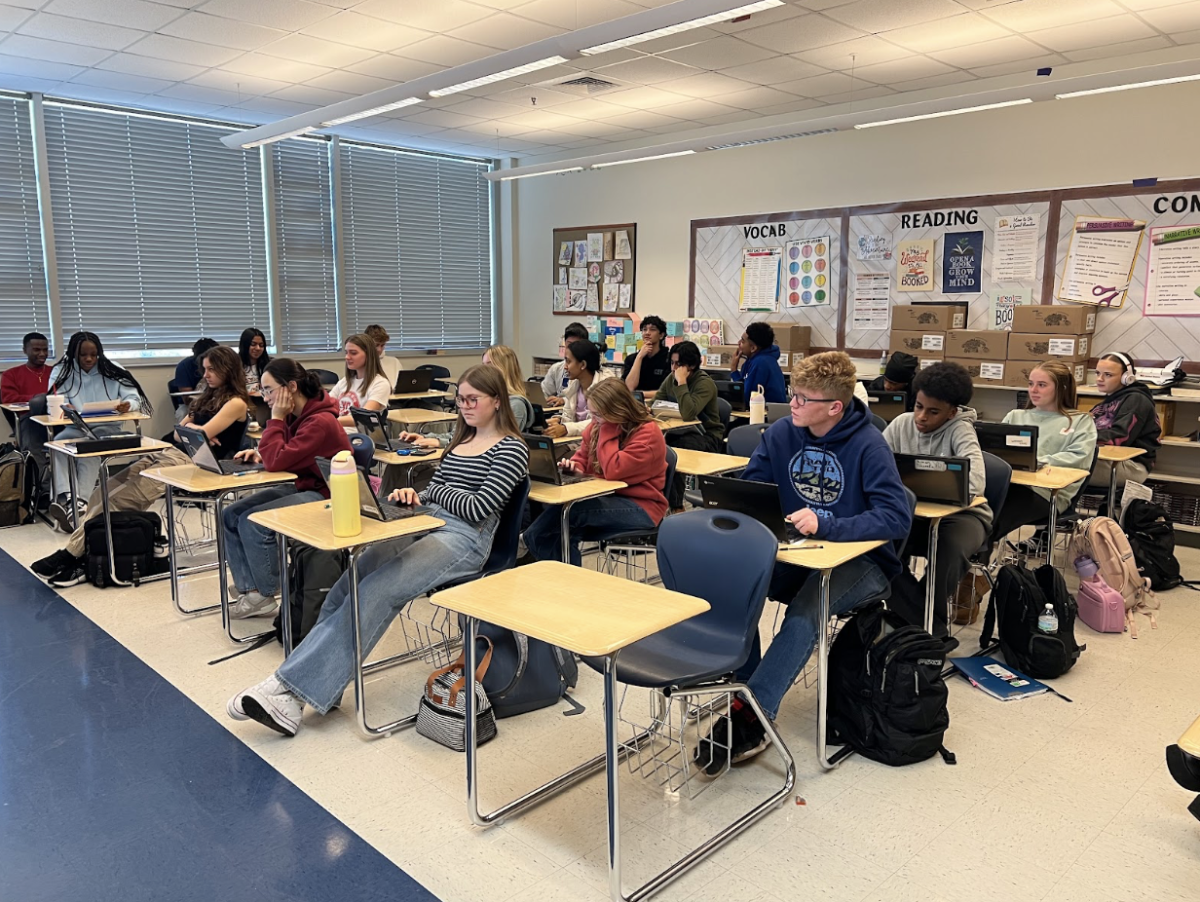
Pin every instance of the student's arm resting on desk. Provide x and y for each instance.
(887, 515)
(692, 403)
(509, 464)
(314, 437)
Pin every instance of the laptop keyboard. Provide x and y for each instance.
(238, 466)
(572, 478)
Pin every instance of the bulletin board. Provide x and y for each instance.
(602, 283)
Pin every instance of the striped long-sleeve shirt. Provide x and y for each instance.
(473, 488)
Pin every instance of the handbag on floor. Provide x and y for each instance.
(442, 714)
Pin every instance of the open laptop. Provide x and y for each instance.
(98, 442)
(375, 423)
(368, 501)
(543, 466)
(942, 480)
(887, 404)
(733, 392)
(537, 395)
(759, 500)
(195, 442)
(1013, 444)
(413, 381)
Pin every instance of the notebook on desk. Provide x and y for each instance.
(758, 500)
(1013, 444)
(940, 480)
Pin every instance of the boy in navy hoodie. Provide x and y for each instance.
(837, 481)
(757, 363)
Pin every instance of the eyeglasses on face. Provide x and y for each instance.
(800, 399)
(467, 403)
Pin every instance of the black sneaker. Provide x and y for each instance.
(749, 739)
(48, 566)
(61, 515)
(71, 574)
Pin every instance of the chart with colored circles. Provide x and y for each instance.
(807, 273)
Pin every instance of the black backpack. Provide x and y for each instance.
(1017, 600)
(134, 535)
(525, 674)
(887, 698)
(311, 574)
(1152, 538)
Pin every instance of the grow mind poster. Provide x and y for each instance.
(962, 263)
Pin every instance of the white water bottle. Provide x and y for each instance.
(1048, 621)
(758, 407)
(883, 358)
(54, 406)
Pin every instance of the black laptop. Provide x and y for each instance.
(368, 501)
(413, 381)
(941, 480)
(1013, 444)
(543, 466)
(887, 404)
(92, 443)
(759, 500)
(375, 424)
(733, 392)
(195, 443)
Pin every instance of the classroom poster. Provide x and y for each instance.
(874, 247)
(595, 247)
(1000, 316)
(1099, 263)
(760, 278)
(808, 272)
(624, 250)
(577, 278)
(1173, 272)
(1015, 249)
(914, 264)
(872, 300)
(564, 253)
(962, 263)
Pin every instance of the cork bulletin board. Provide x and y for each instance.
(593, 269)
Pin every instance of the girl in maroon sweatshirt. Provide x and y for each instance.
(622, 443)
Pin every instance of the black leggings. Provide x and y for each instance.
(1022, 507)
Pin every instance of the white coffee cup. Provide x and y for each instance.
(54, 406)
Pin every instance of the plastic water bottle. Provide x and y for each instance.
(54, 406)
(883, 359)
(758, 407)
(343, 492)
(1048, 621)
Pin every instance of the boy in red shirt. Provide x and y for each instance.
(20, 383)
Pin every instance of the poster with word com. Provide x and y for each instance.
(807, 272)
(1173, 272)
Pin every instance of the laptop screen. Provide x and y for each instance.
(367, 501)
(542, 464)
(942, 480)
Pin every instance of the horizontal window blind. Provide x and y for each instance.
(304, 246)
(417, 256)
(158, 229)
(23, 302)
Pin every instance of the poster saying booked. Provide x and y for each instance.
(914, 264)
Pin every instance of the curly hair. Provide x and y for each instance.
(761, 334)
(226, 363)
(831, 374)
(949, 382)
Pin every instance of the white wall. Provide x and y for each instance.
(1106, 139)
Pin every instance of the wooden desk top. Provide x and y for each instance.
(17, 407)
(1179, 440)
(668, 425)
(1118, 453)
(191, 478)
(419, 416)
(706, 463)
(419, 396)
(545, 493)
(832, 554)
(312, 524)
(148, 446)
(1049, 477)
(131, 417)
(591, 613)
(568, 439)
(931, 511)
(392, 459)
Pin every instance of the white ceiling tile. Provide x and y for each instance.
(161, 46)
(274, 106)
(52, 51)
(591, 109)
(578, 14)
(119, 81)
(243, 85)
(12, 81)
(44, 69)
(581, 144)
(402, 126)
(759, 19)
(695, 109)
(756, 97)
(903, 70)
(164, 104)
(773, 71)
(955, 77)
(608, 58)
(364, 31)
(181, 4)
(821, 5)
(441, 118)
(129, 13)
(170, 70)
(798, 105)
(73, 91)
(874, 16)
(499, 4)
(437, 17)
(1124, 48)
(820, 85)
(989, 53)
(957, 31)
(643, 119)
(1152, 4)
(505, 31)
(1016, 67)
(288, 15)
(800, 34)
(670, 42)
(1168, 20)
(719, 53)
(865, 51)
(393, 68)
(321, 52)
(706, 84)
(1029, 15)
(447, 51)
(482, 108)
(263, 66)
(737, 116)
(866, 93)
(1096, 33)
(77, 31)
(201, 94)
(532, 119)
(644, 98)
(648, 70)
(519, 96)
(490, 128)
(1187, 37)
(350, 82)
(312, 97)
(11, 17)
(222, 32)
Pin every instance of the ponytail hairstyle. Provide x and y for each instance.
(505, 360)
(613, 400)
(244, 350)
(489, 381)
(70, 370)
(1065, 391)
(226, 363)
(372, 369)
(284, 370)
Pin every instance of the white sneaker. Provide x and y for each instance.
(252, 604)
(270, 685)
(279, 711)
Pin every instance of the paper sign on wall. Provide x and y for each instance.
(872, 300)
(1173, 272)
(760, 278)
(1003, 302)
(1099, 263)
(808, 272)
(1015, 248)
(962, 263)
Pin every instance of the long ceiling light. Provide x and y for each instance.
(683, 26)
(374, 111)
(1129, 87)
(657, 156)
(525, 175)
(498, 76)
(965, 109)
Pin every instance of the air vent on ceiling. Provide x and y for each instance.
(820, 131)
(585, 84)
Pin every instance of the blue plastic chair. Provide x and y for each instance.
(744, 440)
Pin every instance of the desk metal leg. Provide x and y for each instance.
(1112, 489)
(360, 671)
(930, 569)
(108, 539)
(73, 481)
(223, 581)
(1051, 526)
(171, 559)
(827, 762)
(612, 778)
(285, 607)
(565, 516)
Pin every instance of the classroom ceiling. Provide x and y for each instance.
(256, 61)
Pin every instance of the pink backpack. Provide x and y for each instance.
(1101, 539)
(1100, 605)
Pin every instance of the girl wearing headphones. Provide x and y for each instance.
(1125, 417)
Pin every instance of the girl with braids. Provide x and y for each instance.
(85, 375)
(623, 443)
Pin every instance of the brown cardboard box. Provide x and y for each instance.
(719, 356)
(1059, 319)
(983, 372)
(1016, 372)
(791, 337)
(920, 344)
(1037, 346)
(928, 317)
(977, 344)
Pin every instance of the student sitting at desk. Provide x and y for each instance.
(696, 394)
(837, 481)
(942, 425)
(554, 383)
(1126, 417)
(389, 365)
(645, 370)
(220, 412)
(583, 370)
(757, 363)
(505, 360)
(189, 374)
(622, 443)
(483, 465)
(364, 384)
(303, 427)
(252, 349)
(20, 383)
(83, 375)
(1066, 438)
(897, 376)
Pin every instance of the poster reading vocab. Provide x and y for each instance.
(914, 264)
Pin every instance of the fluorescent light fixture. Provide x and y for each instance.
(498, 76)
(966, 109)
(754, 141)
(1140, 84)
(271, 140)
(527, 175)
(374, 111)
(657, 156)
(683, 26)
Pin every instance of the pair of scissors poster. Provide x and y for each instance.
(1098, 267)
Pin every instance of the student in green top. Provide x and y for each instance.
(1066, 438)
(696, 393)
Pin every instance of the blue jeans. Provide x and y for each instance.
(87, 469)
(390, 575)
(593, 519)
(252, 551)
(770, 676)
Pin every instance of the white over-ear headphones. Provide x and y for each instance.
(1130, 375)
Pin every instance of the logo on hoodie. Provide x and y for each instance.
(817, 477)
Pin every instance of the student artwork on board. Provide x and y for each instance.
(612, 297)
(614, 271)
(608, 245)
(578, 278)
(590, 299)
(593, 272)
(914, 265)
(560, 299)
(626, 296)
(581, 254)
(624, 250)
(562, 275)
(595, 247)
(565, 250)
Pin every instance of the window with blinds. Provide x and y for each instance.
(417, 247)
(158, 230)
(304, 246)
(23, 302)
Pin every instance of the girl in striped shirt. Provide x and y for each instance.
(482, 466)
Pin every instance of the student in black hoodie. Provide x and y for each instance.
(898, 375)
(1125, 417)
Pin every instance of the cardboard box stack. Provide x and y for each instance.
(793, 341)
(981, 352)
(921, 329)
(1050, 331)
